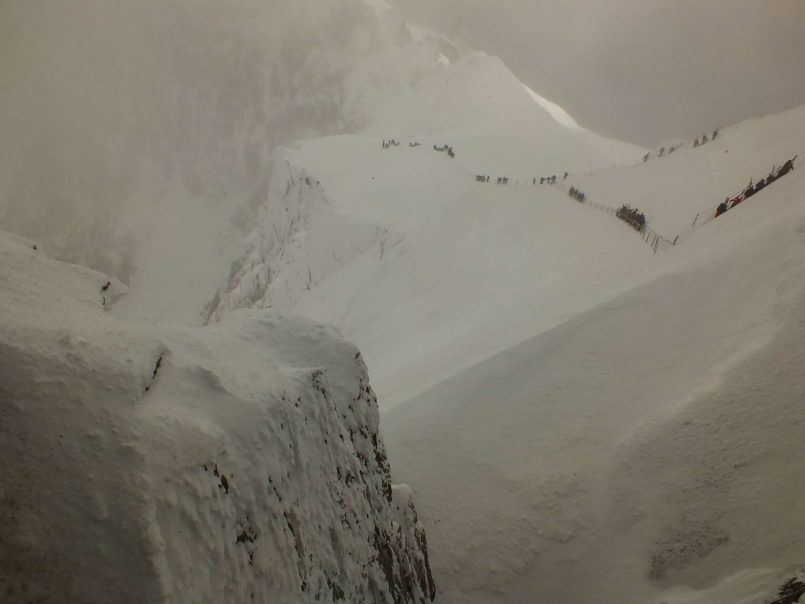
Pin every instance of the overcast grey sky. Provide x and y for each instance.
(641, 70)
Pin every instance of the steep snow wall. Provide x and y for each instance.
(299, 241)
(148, 463)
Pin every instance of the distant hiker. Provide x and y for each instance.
(704, 138)
(565, 176)
(722, 207)
(696, 143)
(645, 157)
(715, 134)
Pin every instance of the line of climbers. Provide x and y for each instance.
(388, 144)
(755, 187)
(546, 180)
(577, 194)
(504, 180)
(445, 149)
(696, 143)
(632, 216)
(705, 140)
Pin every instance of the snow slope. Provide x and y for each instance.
(555, 393)
(414, 260)
(150, 463)
(672, 193)
(479, 106)
(647, 450)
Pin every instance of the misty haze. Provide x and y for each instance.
(400, 301)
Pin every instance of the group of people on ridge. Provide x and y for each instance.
(504, 180)
(696, 143)
(705, 140)
(445, 149)
(632, 216)
(547, 180)
(577, 194)
(756, 187)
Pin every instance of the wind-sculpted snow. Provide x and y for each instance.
(299, 241)
(146, 463)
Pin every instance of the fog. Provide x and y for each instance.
(111, 109)
(641, 70)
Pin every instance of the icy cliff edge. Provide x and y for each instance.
(144, 463)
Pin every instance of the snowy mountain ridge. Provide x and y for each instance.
(537, 362)
(378, 228)
(581, 418)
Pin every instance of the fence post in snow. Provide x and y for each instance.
(695, 219)
(676, 239)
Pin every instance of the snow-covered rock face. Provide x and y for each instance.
(300, 239)
(144, 463)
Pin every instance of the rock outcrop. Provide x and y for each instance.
(145, 463)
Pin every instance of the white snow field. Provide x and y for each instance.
(581, 420)
(160, 463)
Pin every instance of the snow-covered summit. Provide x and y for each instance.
(479, 104)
